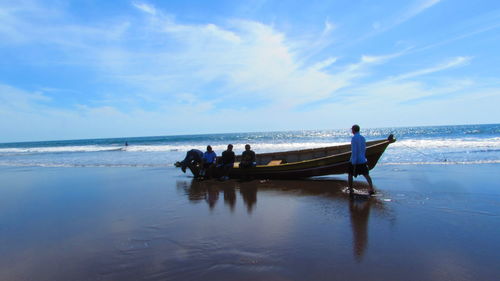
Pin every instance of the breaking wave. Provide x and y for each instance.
(490, 144)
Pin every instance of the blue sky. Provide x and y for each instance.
(91, 69)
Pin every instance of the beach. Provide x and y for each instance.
(427, 222)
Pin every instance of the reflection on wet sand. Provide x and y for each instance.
(212, 196)
(359, 206)
(359, 209)
(249, 195)
(229, 197)
(209, 191)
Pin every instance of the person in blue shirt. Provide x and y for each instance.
(358, 163)
(208, 162)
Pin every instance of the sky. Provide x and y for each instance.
(96, 69)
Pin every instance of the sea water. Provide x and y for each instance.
(456, 145)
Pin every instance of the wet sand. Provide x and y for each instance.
(428, 222)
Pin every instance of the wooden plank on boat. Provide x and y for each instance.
(274, 162)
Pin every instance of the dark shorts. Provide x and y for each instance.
(207, 165)
(361, 169)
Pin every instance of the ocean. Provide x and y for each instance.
(447, 145)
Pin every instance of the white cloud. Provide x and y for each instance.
(460, 37)
(409, 13)
(455, 62)
(329, 27)
(145, 7)
(30, 116)
(323, 64)
(419, 7)
(247, 59)
(250, 57)
(17, 100)
(371, 59)
(367, 60)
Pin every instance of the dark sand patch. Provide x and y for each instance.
(432, 222)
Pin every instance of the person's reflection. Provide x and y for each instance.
(249, 194)
(230, 197)
(359, 208)
(195, 192)
(212, 196)
(209, 191)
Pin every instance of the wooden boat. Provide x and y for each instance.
(304, 163)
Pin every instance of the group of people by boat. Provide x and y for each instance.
(354, 159)
(208, 161)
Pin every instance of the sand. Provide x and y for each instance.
(427, 222)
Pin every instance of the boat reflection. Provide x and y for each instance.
(359, 206)
(210, 190)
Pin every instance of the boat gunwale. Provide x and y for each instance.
(376, 143)
(307, 150)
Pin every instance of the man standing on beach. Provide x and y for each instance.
(358, 165)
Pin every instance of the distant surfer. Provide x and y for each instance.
(126, 143)
(358, 165)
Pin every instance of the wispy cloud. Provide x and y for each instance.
(241, 59)
(451, 90)
(414, 10)
(12, 98)
(380, 26)
(253, 61)
(462, 36)
(323, 64)
(369, 60)
(407, 88)
(329, 27)
(145, 7)
(455, 62)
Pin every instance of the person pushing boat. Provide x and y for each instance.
(192, 159)
(358, 162)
